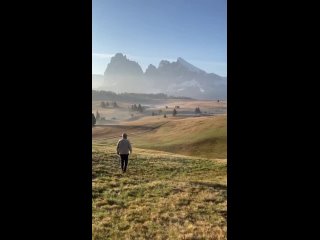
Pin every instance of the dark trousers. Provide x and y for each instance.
(124, 161)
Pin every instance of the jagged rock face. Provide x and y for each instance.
(178, 78)
(123, 74)
(119, 64)
(151, 70)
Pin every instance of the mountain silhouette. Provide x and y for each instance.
(178, 78)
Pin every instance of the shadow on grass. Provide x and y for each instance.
(210, 185)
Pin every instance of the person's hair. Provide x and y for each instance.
(124, 135)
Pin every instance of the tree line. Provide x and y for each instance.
(107, 105)
(132, 97)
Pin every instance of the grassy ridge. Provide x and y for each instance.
(202, 136)
(162, 196)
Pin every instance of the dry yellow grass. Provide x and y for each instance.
(123, 114)
(176, 184)
(162, 196)
(197, 136)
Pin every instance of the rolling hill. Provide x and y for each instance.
(176, 183)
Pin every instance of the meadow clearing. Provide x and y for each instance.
(176, 183)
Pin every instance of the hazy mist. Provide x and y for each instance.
(176, 78)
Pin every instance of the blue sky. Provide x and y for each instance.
(148, 31)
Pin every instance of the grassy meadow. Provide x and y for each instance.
(176, 183)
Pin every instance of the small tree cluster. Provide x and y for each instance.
(197, 110)
(104, 104)
(136, 108)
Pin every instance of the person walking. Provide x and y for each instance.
(124, 149)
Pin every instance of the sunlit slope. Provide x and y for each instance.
(197, 136)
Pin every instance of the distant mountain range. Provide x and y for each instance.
(178, 78)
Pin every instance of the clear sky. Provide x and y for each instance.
(148, 31)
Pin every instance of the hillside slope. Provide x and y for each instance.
(199, 136)
(194, 136)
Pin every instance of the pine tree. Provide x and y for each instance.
(93, 120)
(174, 113)
(135, 108)
(115, 105)
(97, 116)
